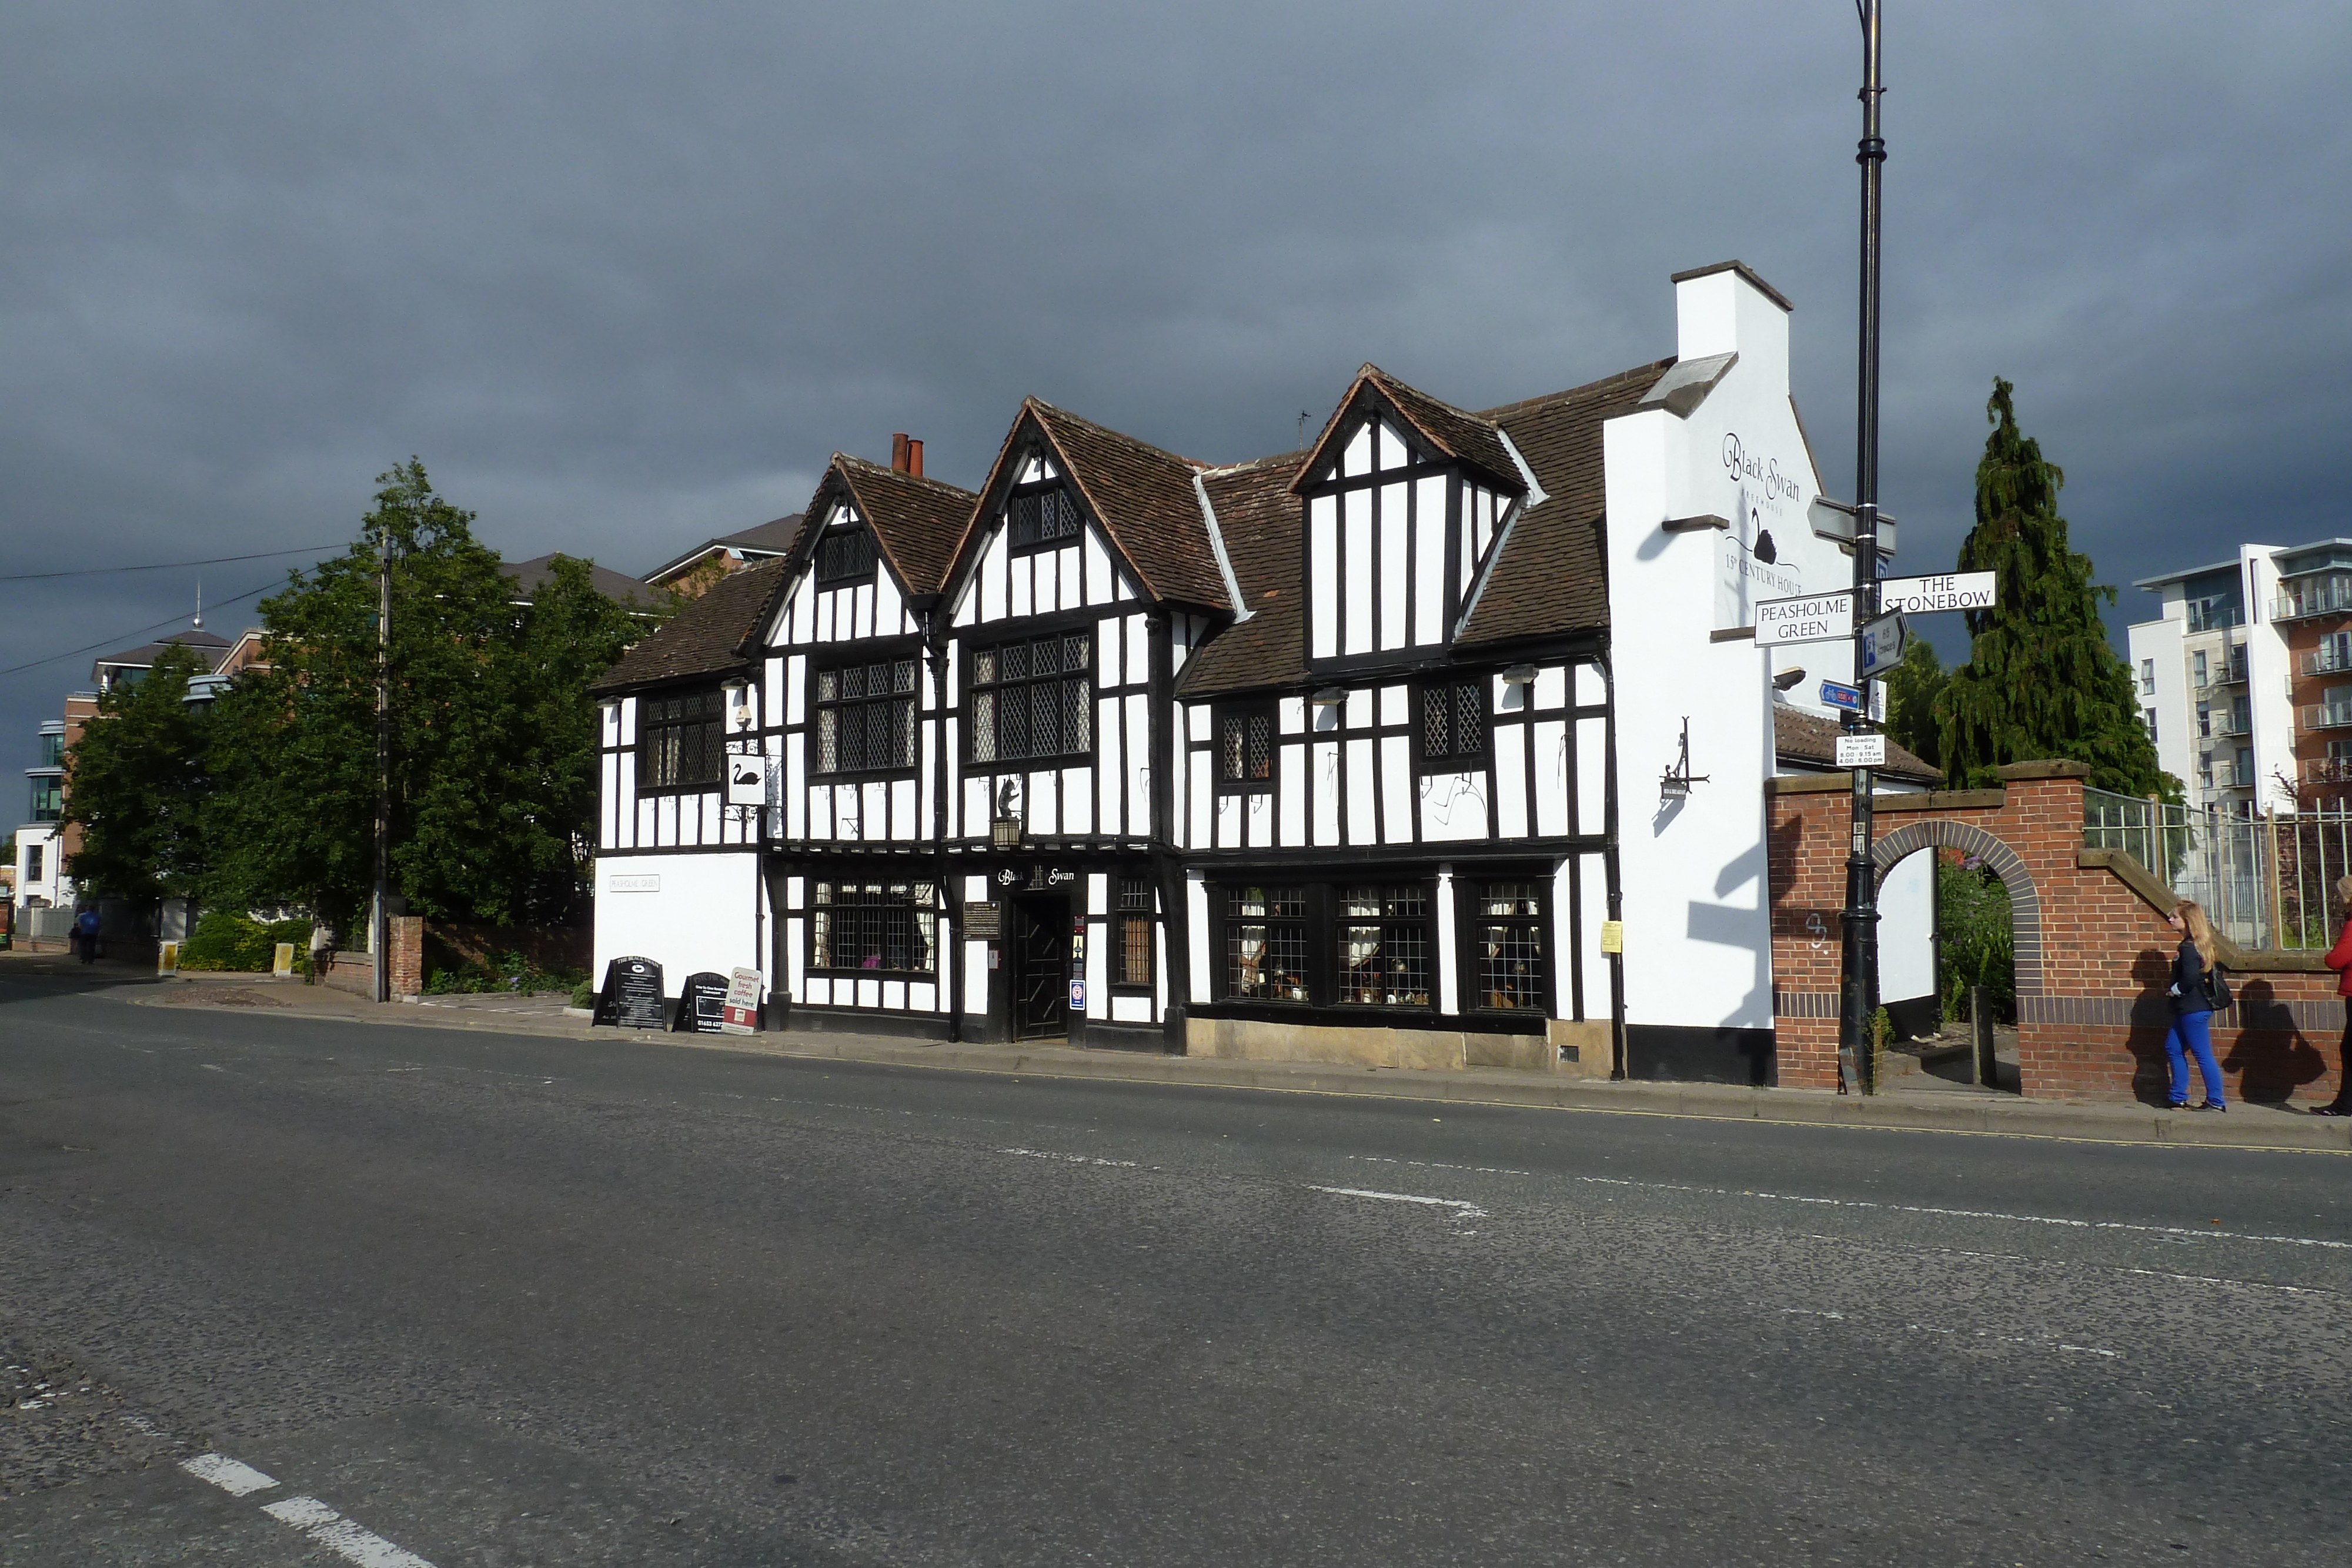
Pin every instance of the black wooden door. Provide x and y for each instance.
(1040, 999)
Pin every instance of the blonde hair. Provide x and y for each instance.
(2200, 930)
(2344, 893)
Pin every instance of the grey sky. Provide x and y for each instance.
(625, 277)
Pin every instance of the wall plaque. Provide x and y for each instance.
(983, 921)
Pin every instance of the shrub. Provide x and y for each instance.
(1976, 944)
(504, 972)
(227, 940)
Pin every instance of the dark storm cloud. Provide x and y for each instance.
(625, 277)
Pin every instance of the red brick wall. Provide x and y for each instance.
(406, 955)
(2094, 957)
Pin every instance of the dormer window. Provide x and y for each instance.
(1042, 515)
(845, 555)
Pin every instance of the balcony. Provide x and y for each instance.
(2232, 673)
(2328, 771)
(2325, 716)
(2237, 724)
(2327, 659)
(2324, 593)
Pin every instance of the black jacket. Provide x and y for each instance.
(2189, 977)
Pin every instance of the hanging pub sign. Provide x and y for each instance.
(701, 1004)
(632, 995)
(983, 922)
(747, 780)
(742, 1013)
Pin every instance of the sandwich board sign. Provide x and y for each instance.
(741, 1014)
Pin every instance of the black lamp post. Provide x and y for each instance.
(1858, 964)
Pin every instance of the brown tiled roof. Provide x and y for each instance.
(1809, 738)
(530, 576)
(768, 539)
(1551, 578)
(715, 634)
(917, 520)
(1142, 495)
(1466, 437)
(1259, 519)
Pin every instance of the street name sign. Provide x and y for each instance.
(1806, 618)
(1862, 750)
(1927, 595)
(1845, 696)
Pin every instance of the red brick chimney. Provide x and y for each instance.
(898, 444)
(915, 459)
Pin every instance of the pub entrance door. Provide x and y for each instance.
(1040, 988)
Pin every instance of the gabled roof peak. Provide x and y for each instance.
(1463, 436)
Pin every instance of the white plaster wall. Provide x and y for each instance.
(701, 918)
(1697, 929)
(2160, 640)
(2269, 667)
(1906, 929)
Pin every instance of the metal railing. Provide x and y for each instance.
(2325, 716)
(2233, 723)
(2327, 770)
(2323, 595)
(2327, 659)
(2265, 882)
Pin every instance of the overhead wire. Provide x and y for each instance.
(163, 565)
(118, 637)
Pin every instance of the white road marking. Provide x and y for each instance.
(1971, 1213)
(1071, 1159)
(341, 1536)
(232, 1476)
(1463, 1210)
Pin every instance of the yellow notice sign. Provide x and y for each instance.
(1612, 936)
(281, 961)
(167, 960)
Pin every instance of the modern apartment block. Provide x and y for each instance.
(2246, 679)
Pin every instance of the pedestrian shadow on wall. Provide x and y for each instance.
(2270, 1057)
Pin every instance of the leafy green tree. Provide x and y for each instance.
(1912, 688)
(2042, 680)
(139, 781)
(493, 749)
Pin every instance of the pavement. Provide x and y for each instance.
(1916, 1101)
(287, 1291)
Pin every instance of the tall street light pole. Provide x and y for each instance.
(1858, 964)
(380, 929)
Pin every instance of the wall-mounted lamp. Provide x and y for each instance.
(1676, 784)
(738, 701)
(1004, 832)
(1329, 696)
(1787, 679)
(1519, 675)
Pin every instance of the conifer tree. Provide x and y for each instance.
(2042, 682)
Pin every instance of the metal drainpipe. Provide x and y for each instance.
(937, 656)
(1614, 881)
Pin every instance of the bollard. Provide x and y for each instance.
(1983, 1069)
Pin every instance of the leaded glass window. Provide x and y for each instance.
(1265, 944)
(1042, 517)
(678, 741)
(865, 716)
(1384, 946)
(1246, 747)
(1034, 698)
(843, 555)
(887, 927)
(1134, 931)
(1453, 723)
(1507, 946)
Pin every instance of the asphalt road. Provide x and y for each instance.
(466, 1299)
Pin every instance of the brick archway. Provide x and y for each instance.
(2024, 899)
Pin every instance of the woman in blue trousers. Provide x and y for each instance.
(2192, 1011)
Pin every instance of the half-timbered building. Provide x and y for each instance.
(1439, 743)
